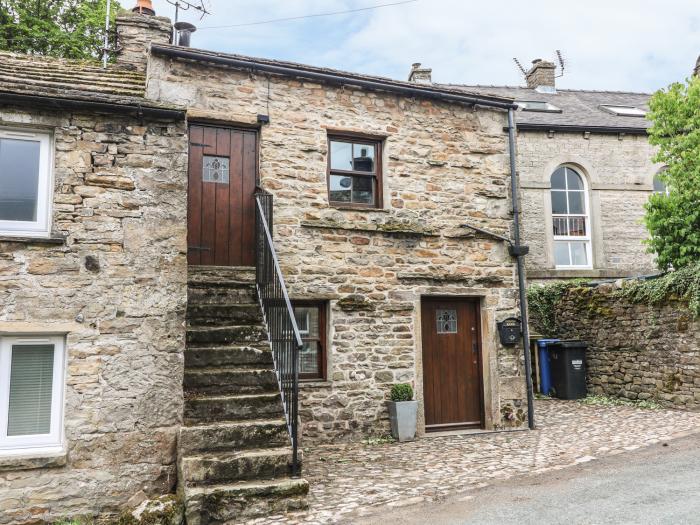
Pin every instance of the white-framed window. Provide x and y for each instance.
(25, 183)
(570, 219)
(32, 372)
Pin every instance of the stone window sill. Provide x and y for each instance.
(358, 208)
(600, 273)
(52, 239)
(33, 460)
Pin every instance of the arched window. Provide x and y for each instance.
(570, 219)
(659, 185)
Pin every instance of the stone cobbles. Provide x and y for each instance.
(352, 480)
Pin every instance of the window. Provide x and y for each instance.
(31, 393)
(311, 320)
(660, 186)
(25, 183)
(624, 111)
(354, 172)
(537, 105)
(572, 237)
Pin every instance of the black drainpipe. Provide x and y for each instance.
(519, 252)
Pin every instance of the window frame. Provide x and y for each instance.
(42, 226)
(322, 338)
(377, 175)
(619, 110)
(524, 105)
(40, 443)
(587, 239)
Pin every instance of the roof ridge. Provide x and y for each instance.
(505, 86)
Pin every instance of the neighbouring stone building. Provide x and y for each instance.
(585, 170)
(635, 350)
(161, 371)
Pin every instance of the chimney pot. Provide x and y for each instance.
(184, 33)
(420, 75)
(144, 7)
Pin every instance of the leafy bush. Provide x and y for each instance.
(542, 300)
(401, 392)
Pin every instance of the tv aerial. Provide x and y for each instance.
(560, 60)
(186, 6)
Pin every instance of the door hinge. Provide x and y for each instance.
(201, 248)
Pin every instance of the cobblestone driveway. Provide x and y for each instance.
(351, 480)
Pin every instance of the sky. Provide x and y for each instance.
(640, 45)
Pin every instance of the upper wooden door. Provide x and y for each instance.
(221, 212)
(452, 386)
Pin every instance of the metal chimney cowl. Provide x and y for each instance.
(144, 7)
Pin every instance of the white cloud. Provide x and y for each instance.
(637, 45)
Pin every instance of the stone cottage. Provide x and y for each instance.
(170, 219)
(584, 165)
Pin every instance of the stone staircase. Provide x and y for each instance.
(234, 448)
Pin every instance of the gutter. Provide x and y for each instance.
(579, 129)
(135, 110)
(518, 252)
(330, 78)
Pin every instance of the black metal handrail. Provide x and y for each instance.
(279, 318)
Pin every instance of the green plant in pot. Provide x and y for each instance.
(402, 412)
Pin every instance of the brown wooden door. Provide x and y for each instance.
(221, 213)
(452, 390)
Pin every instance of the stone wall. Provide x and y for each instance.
(444, 164)
(117, 287)
(636, 351)
(619, 173)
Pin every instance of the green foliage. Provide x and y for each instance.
(542, 300)
(62, 28)
(401, 392)
(619, 401)
(683, 284)
(673, 220)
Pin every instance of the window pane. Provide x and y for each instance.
(577, 202)
(559, 202)
(215, 169)
(307, 320)
(573, 179)
(308, 358)
(341, 188)
(363, 190)
(577, 226)
(579, 254)
(559, 180)
(31, 381)
(363, 157)
(341, 156)
(659, 187)
(560, 225)
(19, 179)
(561, 253)
(446, 321)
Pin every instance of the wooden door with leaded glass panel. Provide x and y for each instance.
(452, 379)
(221, 188)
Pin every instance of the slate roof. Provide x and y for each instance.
(73, 80)
(580, 108)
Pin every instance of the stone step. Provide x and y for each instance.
(235, 435)
(241, 502)
(214, 274)
(203, 409)
(230, 380)
(231, 355)
(219, 296)
(225, 335)
(217, 314)
(229, 467)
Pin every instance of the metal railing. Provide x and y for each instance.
(279, 318)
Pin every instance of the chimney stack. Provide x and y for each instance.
(541, 76)
(136, 30)
(183, 32)
(420, 75)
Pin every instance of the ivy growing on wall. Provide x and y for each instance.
(542, 301)
(683, 284)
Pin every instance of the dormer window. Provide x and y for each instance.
(624, 111)
(537, 105)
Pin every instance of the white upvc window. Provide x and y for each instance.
(32, 370)
(25, 183)
(570, 219)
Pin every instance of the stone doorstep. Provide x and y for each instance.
(233, 435)
(231, 355)
(242, 501)
(226, 467)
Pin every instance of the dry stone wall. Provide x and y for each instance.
(444, 164)
(636, 351)
(117, 286)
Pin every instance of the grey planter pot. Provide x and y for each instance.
(402, 415)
